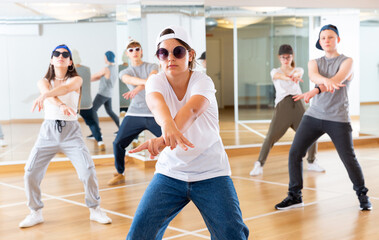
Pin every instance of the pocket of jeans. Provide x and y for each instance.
(32, 159)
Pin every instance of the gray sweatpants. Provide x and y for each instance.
(287, 114)
(70, 142)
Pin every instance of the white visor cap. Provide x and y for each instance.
(179, 33)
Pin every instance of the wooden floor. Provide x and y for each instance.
(330, 212)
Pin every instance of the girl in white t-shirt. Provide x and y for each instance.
(287, 113)
(60, 132)
(192, 165)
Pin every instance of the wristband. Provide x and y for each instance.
(319, 89)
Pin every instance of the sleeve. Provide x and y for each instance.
(155, 83)
(154, 67)
(204, 86)
(127, 71)
(273, 72)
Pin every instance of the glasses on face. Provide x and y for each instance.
(178, 52)
(64, 54)
(133, 49)
(285, 58)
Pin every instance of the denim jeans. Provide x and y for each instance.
(100, 100)
(309, 131)
(130, 128)
(90, 118)
(165, 197)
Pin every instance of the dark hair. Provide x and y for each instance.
(286, 49)
(50, 75)
(71, 72)
(191, 65)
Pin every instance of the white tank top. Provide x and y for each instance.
(53, 112)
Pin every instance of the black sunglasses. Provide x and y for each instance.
(64, 54)
(179, 52)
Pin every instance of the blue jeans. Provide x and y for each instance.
(130, 128)
(309, 131)
(90, 118)
(165, 197)
(100, 100)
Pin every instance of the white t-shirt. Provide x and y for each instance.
(284, 88)
(208, 159)
(53, 112)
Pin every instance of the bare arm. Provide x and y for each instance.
(172, 129)
(103, 72)
(73, 85)
(127, 79)
(335, 82)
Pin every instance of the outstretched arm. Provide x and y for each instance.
(134, 92)
(98, 75)
(173, 129)
(73, 85)
(345, 72)
(127, 79)
(310, 94)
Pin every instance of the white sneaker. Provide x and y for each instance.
(34, 218)
(3, 143)
(315, 167)
(257, 170)
(98, 215)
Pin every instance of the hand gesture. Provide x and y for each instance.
(173, 137)
(39, 102)
(306, 96)
(154, 146)
(331, 86)
(67, 110)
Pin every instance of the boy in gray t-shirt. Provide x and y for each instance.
(138, 117)
(329, 113)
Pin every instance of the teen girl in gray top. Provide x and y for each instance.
(60, 131)
(329, 113)
(107, 77)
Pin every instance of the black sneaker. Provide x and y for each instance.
(290, 202)
(115, 133)
(365, 204)
(90, 137)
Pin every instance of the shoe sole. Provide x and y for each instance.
(299, 205)
(30, 225)
(365, 209)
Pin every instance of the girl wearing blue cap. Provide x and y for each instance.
(60, 132)
(108, 78)
(328, 113)
(193, 165)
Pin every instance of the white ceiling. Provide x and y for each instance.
(18, 9)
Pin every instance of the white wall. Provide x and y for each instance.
(369, 65)
(348, 27)
(153, 23)
(4, 83)
(28, 60)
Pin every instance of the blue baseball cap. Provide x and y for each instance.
(326, 27)
(64, 46)
(110, 56)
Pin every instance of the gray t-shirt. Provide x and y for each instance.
(106, 85)
(331, 106)
(85, 73)
(138, 106)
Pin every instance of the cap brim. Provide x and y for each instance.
(318, 46)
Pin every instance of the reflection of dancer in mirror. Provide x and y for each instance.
(86, 111)
(194, 167)
(107, 77)
(287, 113)
(60, 131)
(3, 143)
(138, 117)
(203, 59)
(328, 113)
